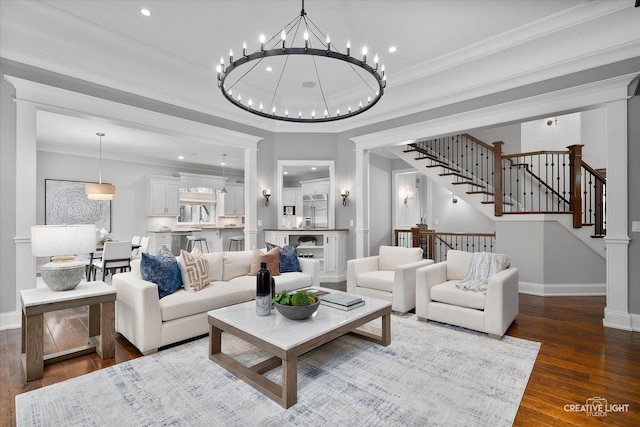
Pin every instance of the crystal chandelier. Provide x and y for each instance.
(313, 81)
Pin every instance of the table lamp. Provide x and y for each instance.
(61, 243)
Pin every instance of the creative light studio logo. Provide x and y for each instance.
(597, 407)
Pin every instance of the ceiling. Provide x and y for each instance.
(441, 53)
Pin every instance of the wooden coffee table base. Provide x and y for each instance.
(287, 394)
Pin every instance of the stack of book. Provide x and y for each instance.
(342, 301)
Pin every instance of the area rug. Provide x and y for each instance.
(431, 374)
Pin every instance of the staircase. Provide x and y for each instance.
(556, 184)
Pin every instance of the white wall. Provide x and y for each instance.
(456, 217)
(509, 134)
(537, 135)
(594, 138)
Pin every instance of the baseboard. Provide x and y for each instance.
(635, 322)
(563, 289)
(10, 320)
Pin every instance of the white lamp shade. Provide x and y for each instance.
(52, 240)
(100, 191)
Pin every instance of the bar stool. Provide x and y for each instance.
(238, 242)
(192, 240)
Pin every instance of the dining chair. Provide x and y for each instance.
(135, 252)
(116, 255)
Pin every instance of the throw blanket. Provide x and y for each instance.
(483, 265)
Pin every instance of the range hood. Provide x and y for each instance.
(194, 198)
(314, 197)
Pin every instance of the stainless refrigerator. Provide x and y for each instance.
(314, 210)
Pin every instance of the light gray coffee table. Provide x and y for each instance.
(287, 339)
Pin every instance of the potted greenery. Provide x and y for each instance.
(298, 306)
(307, 240)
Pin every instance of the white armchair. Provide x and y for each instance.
(438, 298)
(391, 276)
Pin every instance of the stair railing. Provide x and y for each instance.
(534, 182)
(436, 244)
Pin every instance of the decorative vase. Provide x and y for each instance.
(263, 291)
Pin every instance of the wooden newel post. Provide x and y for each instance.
(497, 178)
(575, 184)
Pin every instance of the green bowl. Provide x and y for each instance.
(297, 313)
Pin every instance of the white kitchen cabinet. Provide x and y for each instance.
(234, 200)
(163, 193)
(330, 249)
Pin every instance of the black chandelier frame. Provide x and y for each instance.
(283, 50)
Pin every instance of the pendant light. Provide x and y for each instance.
(224, 181)
(100, 191)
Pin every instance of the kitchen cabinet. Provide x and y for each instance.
(330, 249)
(234, 200)
(163, 193)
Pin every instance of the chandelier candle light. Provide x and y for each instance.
(347, 80)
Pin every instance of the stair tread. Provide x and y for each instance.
(468, 183)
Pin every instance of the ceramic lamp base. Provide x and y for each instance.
(62, 275)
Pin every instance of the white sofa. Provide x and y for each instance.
(149, 322)
(438, 298)
(390, 275)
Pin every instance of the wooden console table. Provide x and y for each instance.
(100, 298)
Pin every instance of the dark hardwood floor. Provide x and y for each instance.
(579, 359)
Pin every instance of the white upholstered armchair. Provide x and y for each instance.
(390, 275)
(438, 298)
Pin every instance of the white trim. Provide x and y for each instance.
(10, 320)
(565, 100)
(617, 320)
(563, 289)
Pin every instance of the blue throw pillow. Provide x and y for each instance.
(163, 270)
(288, 257)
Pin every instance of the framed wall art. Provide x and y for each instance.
(66, 203)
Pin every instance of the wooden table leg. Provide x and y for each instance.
(107, 347)
(94, 320)
(24, 333)
(215, 340)
(386, 330)
(34, 358)
(289, 382)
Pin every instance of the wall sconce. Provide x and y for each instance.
(344, 193)
(454, 198)
(552, 121)
(266, 193)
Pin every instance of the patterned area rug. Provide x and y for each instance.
(431, 374)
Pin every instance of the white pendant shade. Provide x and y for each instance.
(99, 191)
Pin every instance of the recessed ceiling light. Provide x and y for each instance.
(269, 69)
(180, 157)
(309, 85)
(145, 12)
(392, 49)
(286, 173)
(313, 168)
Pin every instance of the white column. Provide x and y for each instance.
(362, 203)
(250, 198)
(25, 195)
(616, 313)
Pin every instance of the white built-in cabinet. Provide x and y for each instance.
(234, 199)
(164, 196)
(292, 196)
(330, 249)
(315, 186)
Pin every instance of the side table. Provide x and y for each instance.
(100, 298)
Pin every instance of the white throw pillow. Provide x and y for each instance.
(194, 269)
(236, 264)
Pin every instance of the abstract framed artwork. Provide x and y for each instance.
(66, 203)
